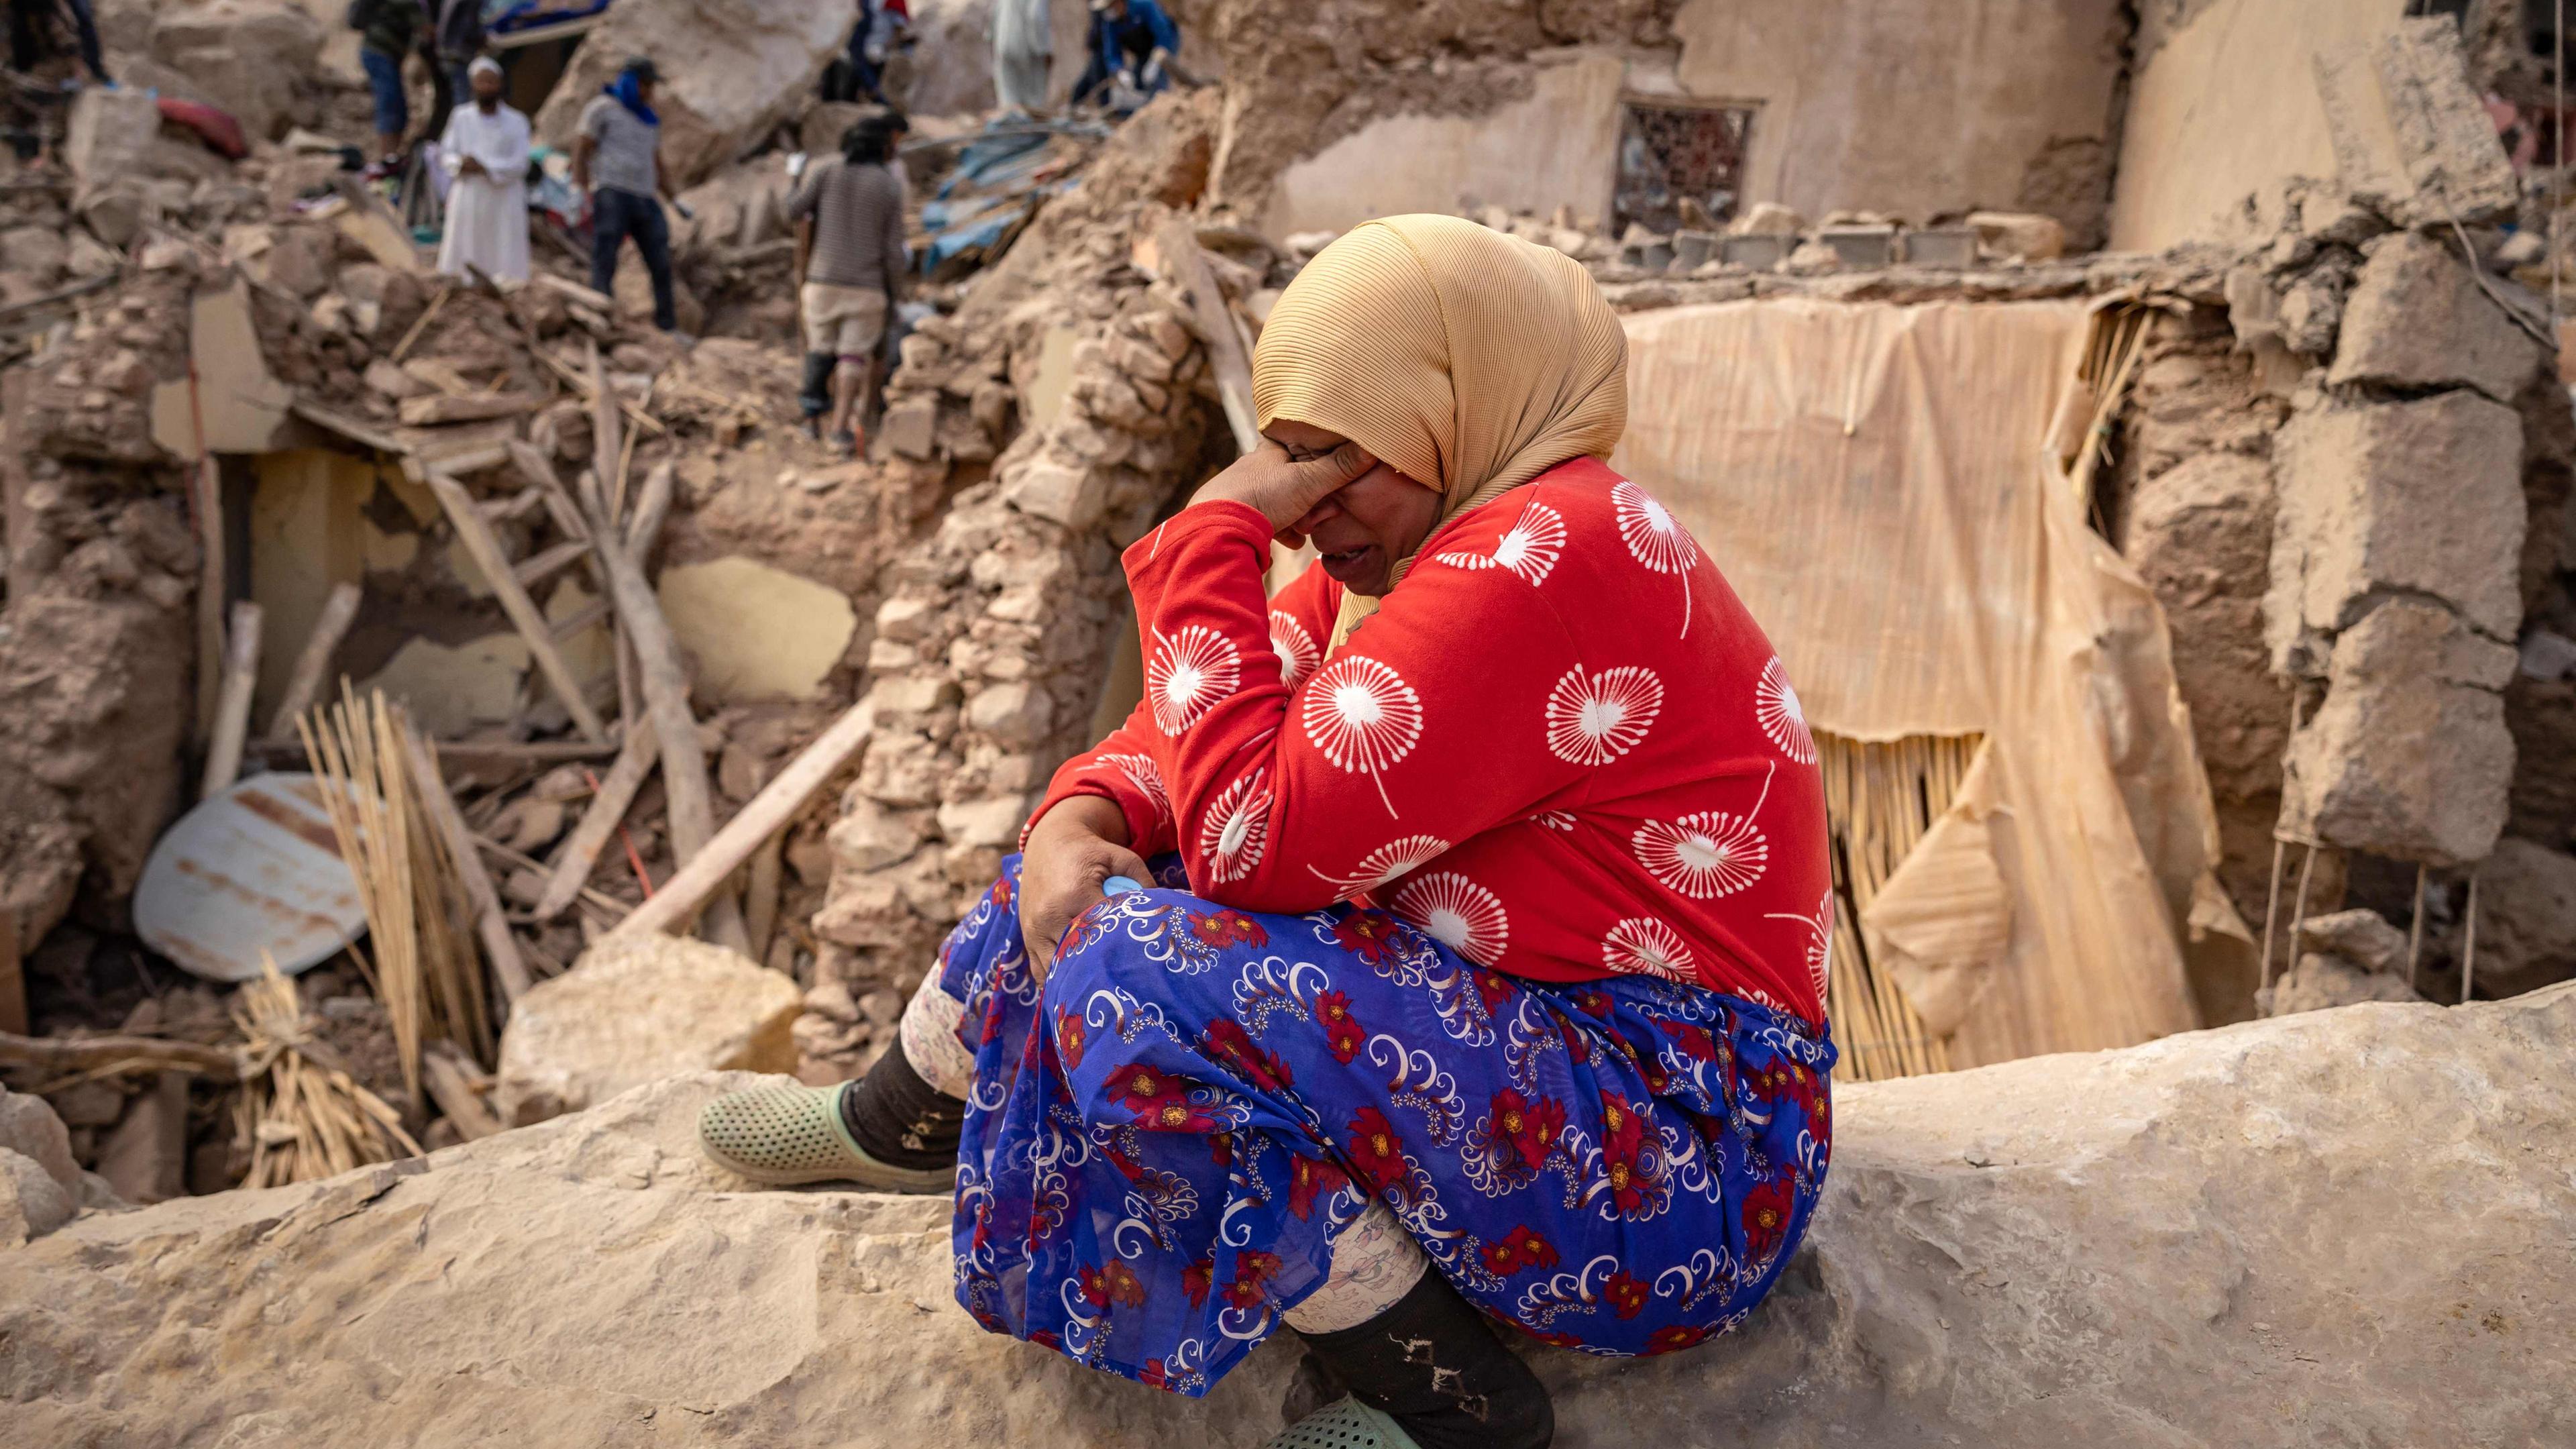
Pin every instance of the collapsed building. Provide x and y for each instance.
(2254, 362)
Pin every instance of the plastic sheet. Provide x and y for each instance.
(1874, 482)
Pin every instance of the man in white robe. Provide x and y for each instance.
(485, 151)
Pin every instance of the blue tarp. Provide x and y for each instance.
(503, 16)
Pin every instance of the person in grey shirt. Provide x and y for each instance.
(850, 259)
(617, 159)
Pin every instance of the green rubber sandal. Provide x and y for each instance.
(1344, 1424)
(787, 1135)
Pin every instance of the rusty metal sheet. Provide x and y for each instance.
(252, 869)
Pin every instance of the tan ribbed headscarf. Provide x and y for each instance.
(1469, 360)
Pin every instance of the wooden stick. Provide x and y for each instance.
(489, 923)
(536, 468)
(2415, 927)
(451, 1086)
(13, 979)
(1177, 251)
(2469, 949)
(571, 374)
(75, 1053)
(615, 908)
(338, 612)
(762, 891)
(664, 686)
(206, 497)
(477, 537)
(536, 568)
(652, 505)
(702, 873)
(422, 324)
(580, 852)
(232, 706)
(606, 450)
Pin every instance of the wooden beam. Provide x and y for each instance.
(96, 1053)
(508, 967)
(232, 704)
(536, 468)
(652, 505)
(13, 977)
(450, 1080)
(607, 456)
(580, 852)
(486, 551)
(1178, 257)
(440, 408)
(664, 685)
(536, 568)
(704, 873)
(332, 626)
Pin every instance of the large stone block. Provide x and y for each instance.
(637, 1010)
(2411, 135)
(30, 1128)
(732, 70)
(2408, 756)
(1058, 492)
(2221, 1238)
(2421, 497)
(2526, 918)
(2417, 319)
(2200, 534)
(110, 135)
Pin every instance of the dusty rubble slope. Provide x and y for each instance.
(2344, 1227)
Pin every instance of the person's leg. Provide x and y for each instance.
(608, 223)
(653, 239)
(1400, 1340)
(443, 91)
(392, 108)
(85, 26)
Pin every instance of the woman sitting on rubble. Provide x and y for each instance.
(1484, 906)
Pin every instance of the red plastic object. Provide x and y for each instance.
(221, 133)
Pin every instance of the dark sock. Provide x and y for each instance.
(1433, 1363)
(899, 1119)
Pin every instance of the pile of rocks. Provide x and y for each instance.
(987, 664)
(2344, 1226)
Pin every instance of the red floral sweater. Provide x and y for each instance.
(1561, 745)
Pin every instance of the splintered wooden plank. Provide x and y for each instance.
(524, 614)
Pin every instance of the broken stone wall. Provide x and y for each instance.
(1349, 111)
(991, 650)
(97, 654)
(2192, 510)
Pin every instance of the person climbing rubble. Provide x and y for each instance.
(1132, 45)
(485, 149)
(849, 263)
(1469, 917)
(32, 34)
(879, 29)
(388, 32)
(617, 162)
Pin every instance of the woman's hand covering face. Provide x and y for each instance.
(1283, 488)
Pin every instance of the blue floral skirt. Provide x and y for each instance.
(1165, 1137)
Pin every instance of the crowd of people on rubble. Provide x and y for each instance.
(848, 209)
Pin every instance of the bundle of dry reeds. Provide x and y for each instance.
(299, 1109)
(1879, 800)
(425, 971)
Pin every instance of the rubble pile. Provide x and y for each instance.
(989, 656)
(2167, 1244)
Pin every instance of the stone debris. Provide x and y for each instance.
(2526, 919)
(2221, 1283)
(636, 1010)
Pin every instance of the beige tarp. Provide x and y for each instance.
(1873, 482)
